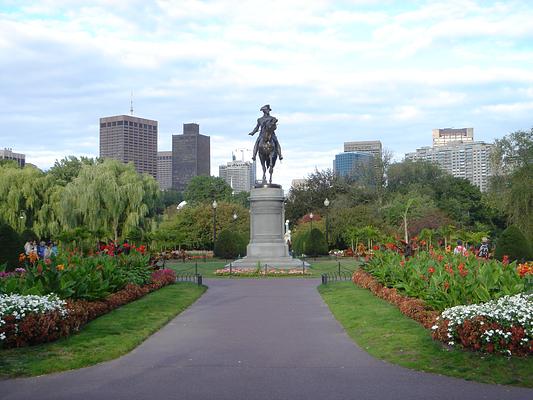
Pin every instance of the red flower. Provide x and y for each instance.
(431, 270)
(446, 285)
(402, 263)
(47, 261)
(376, 247)
(505, 260)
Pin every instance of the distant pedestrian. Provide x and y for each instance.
(460, 249)
(484, 249)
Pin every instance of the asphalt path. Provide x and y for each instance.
(252, 339)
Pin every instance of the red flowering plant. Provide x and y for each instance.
(444, 279)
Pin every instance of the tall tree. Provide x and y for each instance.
(68, 168)
(205, 189)
(110, 196)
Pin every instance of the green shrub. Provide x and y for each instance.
(299, 243)
(10, 246)
(513, 244)
(230, 244)
(316, 244)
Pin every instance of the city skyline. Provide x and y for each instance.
(333, 72)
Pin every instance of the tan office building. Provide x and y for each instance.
(130, 139)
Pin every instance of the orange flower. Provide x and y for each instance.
(33, 257)
(60, 267)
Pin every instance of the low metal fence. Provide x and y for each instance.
(189, 277)
(336, 276)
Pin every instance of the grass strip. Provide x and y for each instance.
(385, 333)
(104, 338)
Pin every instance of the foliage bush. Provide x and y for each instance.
(230, 244)
(504, 325)
(415, 309)
(513, 244)
(316, 244)
(311, 243)
(444, 279)
(37, 327)
(11, 244)
(72, 276)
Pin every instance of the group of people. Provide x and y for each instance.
(42, 249)
(482, 251)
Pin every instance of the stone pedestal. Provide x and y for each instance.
(267, 218)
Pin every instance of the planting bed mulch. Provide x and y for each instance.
(38, 328)
(413, 308)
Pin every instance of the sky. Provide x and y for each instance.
(332, 71)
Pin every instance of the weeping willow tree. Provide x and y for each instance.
(29, 200)
(110, 197)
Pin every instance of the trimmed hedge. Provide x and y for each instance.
(230, 244)
(513, 243)
(11, 246)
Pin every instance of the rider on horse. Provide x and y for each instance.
(264, 123)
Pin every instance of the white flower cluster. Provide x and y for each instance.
(19, 306)
(507, 311)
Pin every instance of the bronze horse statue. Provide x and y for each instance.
(267, 150)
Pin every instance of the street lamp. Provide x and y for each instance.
(214, 205)
(326, 204)
(311, 217)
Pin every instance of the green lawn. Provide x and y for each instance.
(319, 266)
(104, 338)
(380, 329)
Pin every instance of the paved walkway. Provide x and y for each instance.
(252, 339)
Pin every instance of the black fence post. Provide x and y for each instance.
(303, 267)
(196, 267)
(339, 267)
(230, 268)
(324, 279)
(199, 280)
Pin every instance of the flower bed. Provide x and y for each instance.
(76, 277)
(504, 325)
(26, 320)
(415, 309)
(445, 280)
(260, 272)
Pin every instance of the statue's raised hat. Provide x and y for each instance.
(266, 107)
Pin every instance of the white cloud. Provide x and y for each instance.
(332, 71)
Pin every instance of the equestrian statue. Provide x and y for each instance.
(267, 143)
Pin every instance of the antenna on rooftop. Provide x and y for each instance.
(131, 103)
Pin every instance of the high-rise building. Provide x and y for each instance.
(463, 160)
(164, 169)
(299, 183)
(366, 146)
(349, 164)
(239, 174)
(443, 137)
(130, 139)
(7, 154)
(190, 156)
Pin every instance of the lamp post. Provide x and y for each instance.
(235, 216)
(214, 205)
(311, 217)
(326, 204)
